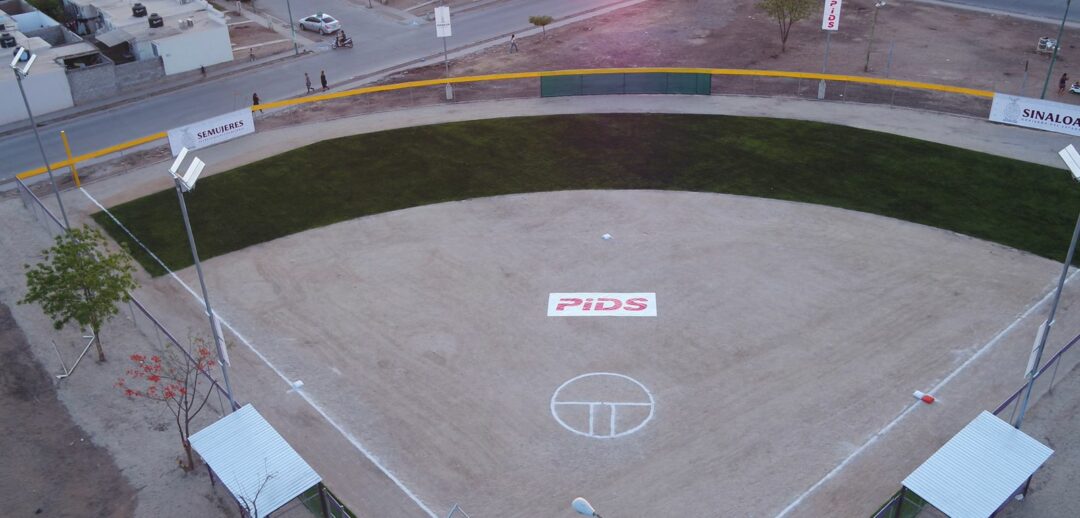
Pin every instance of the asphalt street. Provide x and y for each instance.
(381, 42)
(1039, 8)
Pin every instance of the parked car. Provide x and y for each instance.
(322, 23)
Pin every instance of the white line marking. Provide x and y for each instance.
(612, 420)
(592, 408)
(353, 440)
(592, 404)
(993, 341)
(603, 402)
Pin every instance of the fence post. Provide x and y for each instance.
(900, 501)
(322, 500)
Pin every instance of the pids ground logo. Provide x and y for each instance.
(602, 305)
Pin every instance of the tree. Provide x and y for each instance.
(250, 504)
(175, 382)
(541, 21)
(787, 12)
(79, 279)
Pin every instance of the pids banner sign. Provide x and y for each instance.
(602, 305)
(830, 21)
(1036, 113)
(212, 131)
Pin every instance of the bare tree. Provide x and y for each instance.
(250, 505)
(786, 13)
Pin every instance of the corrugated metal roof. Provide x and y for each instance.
(243, 449)
(978, 469)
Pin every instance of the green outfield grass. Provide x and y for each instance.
(1014, 203)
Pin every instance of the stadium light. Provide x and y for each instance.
(1072, 160)
(20, 73)
(185, 184)
(584, 508)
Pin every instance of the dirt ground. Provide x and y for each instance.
(912, 41)
(1054, 422)
(50, 468)
(77, 447)
(434, 347)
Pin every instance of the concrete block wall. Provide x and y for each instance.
(92, 83)
(138, 72)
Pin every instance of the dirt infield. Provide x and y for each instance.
(787, 335)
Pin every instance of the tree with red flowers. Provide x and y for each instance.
(175, 382)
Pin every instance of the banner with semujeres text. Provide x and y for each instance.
(214, 130)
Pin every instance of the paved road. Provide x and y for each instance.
(1039, 8)
(381, 43)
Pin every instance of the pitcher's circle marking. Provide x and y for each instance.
(611, 431)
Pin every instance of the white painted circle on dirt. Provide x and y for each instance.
(602, 405)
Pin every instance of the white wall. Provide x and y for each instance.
(195, 47)
(47, 89)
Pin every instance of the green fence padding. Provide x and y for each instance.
(608, 84)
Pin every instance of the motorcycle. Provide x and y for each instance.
(340, 43)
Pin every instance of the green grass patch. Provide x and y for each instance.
(1025, 206)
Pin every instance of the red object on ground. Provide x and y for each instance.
(925, 398)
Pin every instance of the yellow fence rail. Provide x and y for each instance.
(915, 85)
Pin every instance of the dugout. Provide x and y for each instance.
(258, 467)
(978, 471)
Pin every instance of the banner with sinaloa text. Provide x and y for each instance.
(214, 130)
(1036, 113)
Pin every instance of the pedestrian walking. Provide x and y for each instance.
(202, 68)
(307, 81)
(1062, 83)
(513, 43)
(251, 54)
(322, 79)
(255, 100)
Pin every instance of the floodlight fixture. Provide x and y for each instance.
(176, 163)
(23, 55)
(583, 507)
(1072, 159)
(18, 57)
(187, 181)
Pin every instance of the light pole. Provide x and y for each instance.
(583, 507)
(20, 74)
(185, 184)
(873, 25)
(1057, 45)
(292, 28)
(1072, 159)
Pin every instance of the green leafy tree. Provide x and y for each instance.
(541, 21)
(786, 13)
(80, 279)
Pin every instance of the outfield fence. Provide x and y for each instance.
(657, 80)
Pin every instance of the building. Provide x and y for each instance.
(21, 25)
(183, 34)
(105, 47)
